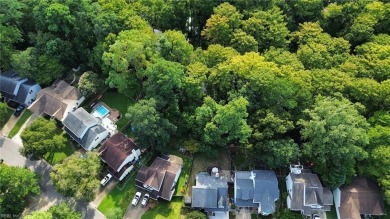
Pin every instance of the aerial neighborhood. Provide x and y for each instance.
(194, 109)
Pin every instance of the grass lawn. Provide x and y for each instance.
(119, 102)
(23, 118)
(184, 176)
(165, 210)
(332, 213)
(119, 198)
(61, 155)
(6, 117)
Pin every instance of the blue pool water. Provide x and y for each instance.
(103, 111)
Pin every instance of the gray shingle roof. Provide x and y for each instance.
(8, 82)
(89, 136)
(257, 188)
(210, 193)
(79, 121)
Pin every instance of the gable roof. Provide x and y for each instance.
(116, 149)
(257, 188)
(9, 81)
(89, 137)
(210, 193)
(79, 121)
(53, 100)
(160, 175)
(361, 196)
(307, 191)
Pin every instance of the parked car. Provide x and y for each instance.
(145, 200)
(316, 216)
(106, 179)
(136, 198)
(18, 110)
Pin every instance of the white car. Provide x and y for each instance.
(136, 198)
(106, 179)
(316, 216)
(145, 200)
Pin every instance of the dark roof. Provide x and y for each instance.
(79, 121)
(308, 190)
(361, 196)
(210, 193)
(116, 149)
(52, 100)
(160, 175)
(118, 175)
(255, 188)
(8, 82)
(23, 91)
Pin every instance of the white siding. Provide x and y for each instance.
(99, 138)
(337, 196)
(32, 94)
(289, 186)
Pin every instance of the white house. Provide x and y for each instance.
(306, 193)
(120, 153)
(84, 129)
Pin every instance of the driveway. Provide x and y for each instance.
(136, 212)
(9, 152)
(9, 125)
(243, 213)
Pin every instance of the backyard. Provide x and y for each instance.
(165, 210)
(201, 162)
(23, 118)
(119, 102)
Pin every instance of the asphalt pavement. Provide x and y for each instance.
(9, 152)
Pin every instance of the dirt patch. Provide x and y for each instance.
(201, 162)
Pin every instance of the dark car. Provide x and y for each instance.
(18, 110)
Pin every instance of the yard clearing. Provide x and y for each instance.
(59, 156)
(201, 162)
(119, 102)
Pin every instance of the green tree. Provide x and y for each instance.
(61, 211)
(175, 47)
(41, 68)
(128, 57)
(39, 215)
(3, 113)
(277, 153)
(115, 213)
(220, 125)
(307, 10)
(77, 176)
(221, 25)
(11, 14)
(39, 138)
(16, 184)
(334, 134)
(216, 54)
(268, 28)
(195, 215)
(149, 127)
(90, 83)
(243, 42)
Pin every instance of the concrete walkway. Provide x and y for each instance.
(17, 138)
(9, 125)
(9, 152)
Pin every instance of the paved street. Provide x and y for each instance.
(9, 151)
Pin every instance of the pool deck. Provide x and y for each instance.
(113, 113)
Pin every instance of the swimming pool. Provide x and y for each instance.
(103, 111)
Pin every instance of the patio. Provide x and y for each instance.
(106, 116)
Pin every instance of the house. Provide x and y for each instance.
(257, 189)
(160, 178)
(17, 89)
(120, 153)
(211, 194)
(56, 101)
(306, 193)
(84, 128)
(362, 197)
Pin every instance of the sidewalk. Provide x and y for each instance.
(9, 125)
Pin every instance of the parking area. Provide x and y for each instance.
(137, 211)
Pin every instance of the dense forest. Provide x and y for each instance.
(282, 81)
